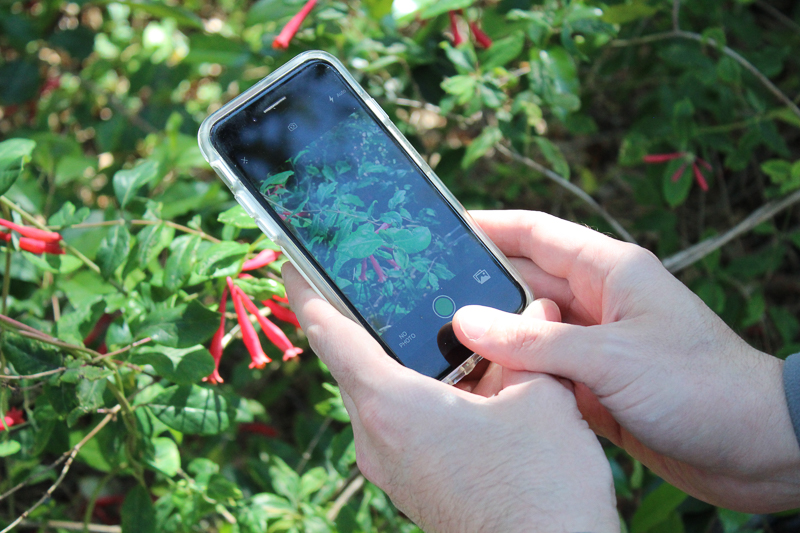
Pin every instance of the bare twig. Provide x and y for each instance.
(312, 444)
(680, 34)
(571, 187)
(122, 350)
(691, 255)
(69, 458)
(72, 526)
(36, 376)
(345, 496)
(138, 222)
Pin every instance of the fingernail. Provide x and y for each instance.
(473, 322)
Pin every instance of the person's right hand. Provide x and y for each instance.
(655, 370)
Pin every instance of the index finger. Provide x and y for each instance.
(356, 360)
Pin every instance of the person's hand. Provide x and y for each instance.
(655, 370)
(523, 460)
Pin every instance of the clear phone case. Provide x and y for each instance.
(254, 208)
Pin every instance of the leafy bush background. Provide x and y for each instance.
(112, 95)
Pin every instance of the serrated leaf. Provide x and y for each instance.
(482, 144)
(221, 259)
(128, 182)
(237, 217)
(137, 513)
(192, 409)
(181, 326)
(183, 366)
(114, 249)
(29, 356)
(182, 257)
(14, 153)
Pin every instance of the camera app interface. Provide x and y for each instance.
(368, 215)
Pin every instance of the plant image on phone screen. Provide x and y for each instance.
(366, 214)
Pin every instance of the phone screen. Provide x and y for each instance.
(331, 174)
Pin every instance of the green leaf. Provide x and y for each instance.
(14, 153)
(482, 144)
(192, 409)
(128, 182)
(361, 243)
(285, 481)
(624, 13)
(114, 249)
(312, 481)
(181, 326)
(434, 9)
(554, 156)
(29, 356)
(656, 508)
(237, 217)
(9, 447)
(261, 288)
(778, 170)
(151, 241)
(378, 8)
(138, 514)
(183, 366)
(676, 192)
(182, 257)
(410, 241)
(67, 216)
(503, 51)
(221, 488)
(166, 457)
(278, 179)
(221, 259)
(160, 10)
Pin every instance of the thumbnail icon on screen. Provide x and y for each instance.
(481, 276)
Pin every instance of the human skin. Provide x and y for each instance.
(655, 370)
(456, 461)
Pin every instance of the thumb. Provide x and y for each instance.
(525, 342)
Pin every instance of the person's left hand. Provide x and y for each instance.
(521, 460)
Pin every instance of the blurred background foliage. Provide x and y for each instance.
(100, 103)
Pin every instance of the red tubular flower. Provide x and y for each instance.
(287, 33)
(258, 428)
(482, 39)
(32, 233)
(281, 313)
(281, 299)
(363, 276)
(38, 247)
(704, 164)
(661, 158)
(457, 39)
(701, 180)
(678, 173)
(99, 329)
(215, 348)
(378, 270)
(273, 332)
(261, 260)
(393, 263)
(5, 236)
(249, 336)
(13, 417)
(382, 227)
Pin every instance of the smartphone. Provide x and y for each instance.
(329, 178)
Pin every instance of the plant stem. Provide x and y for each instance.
(139, 222)
(680, 34)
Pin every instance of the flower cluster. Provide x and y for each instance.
(12, 418)
(480, 37)
(245, 308)
(33, 240)
(689, 158)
